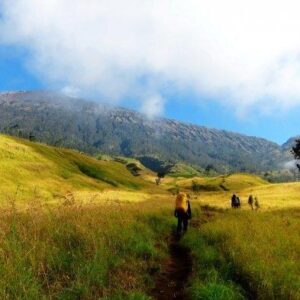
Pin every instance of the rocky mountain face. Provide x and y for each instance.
(288, 145)
(96, 128)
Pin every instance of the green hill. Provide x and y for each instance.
(183, 170)
(33, 170)
(231, 182)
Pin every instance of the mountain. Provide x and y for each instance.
(93, 128)
(288, 145)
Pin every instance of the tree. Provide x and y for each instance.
(160, 175)
(296, 152)
(209, 168)
(196, 187)
(31, 136)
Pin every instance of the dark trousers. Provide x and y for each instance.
(182, 223)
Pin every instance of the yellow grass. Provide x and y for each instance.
(270, 196)
(32, 170)
(89, 228)
(232, 182)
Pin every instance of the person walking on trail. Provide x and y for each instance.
(251, 201)
(256, 203)
(182, 212)
(234, 201)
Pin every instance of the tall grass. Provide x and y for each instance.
(27, 166)
(212, 273)
(257, 251)
(81, 252)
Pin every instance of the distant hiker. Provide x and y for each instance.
(238, 202)
(251, 201)
(256, 203)
(182, 212)
(235, 202)
(189, 210)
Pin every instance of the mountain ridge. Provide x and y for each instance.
(111, 107)
(95, 127)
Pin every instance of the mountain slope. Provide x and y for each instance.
(288, 145)
(33, 170)
(94, 128)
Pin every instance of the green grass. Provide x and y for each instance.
(230, 182)
(30, 170)
(96, 173)
(246, 253)
(77, 252)
(109, 238)
(212, 276)
(183, 170)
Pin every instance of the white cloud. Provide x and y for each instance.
(71, 91)
(153, 106)
(291, 165)
(246, 50)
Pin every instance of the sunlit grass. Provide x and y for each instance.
(232, 182)
(260, 251)
(74, 227)
(270, 196)
(81, 252)
(31, 170)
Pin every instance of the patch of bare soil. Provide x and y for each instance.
(171, 282)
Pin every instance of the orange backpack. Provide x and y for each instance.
(180, 203)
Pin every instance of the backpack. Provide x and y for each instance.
(180, 203)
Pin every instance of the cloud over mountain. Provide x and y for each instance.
(244, 52)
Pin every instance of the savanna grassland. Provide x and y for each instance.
(76, 227)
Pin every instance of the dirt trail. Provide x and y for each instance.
(172, 281)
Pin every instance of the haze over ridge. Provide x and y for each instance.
(93, 128)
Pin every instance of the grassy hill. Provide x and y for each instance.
(31, 170)
(217, 191)
(231, 182)
(114, 249)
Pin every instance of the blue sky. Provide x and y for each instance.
(15, 75)
(209, 112)
(231, 65)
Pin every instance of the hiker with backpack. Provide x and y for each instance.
(182, 211)
(256, 203)
(251, 201)
(235, 201)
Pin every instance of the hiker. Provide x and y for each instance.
(256, 203)
(182, 211)
(238, 204)
(234, 201)
(250, 201)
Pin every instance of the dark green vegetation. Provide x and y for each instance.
(94, 128)
(296, 152)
